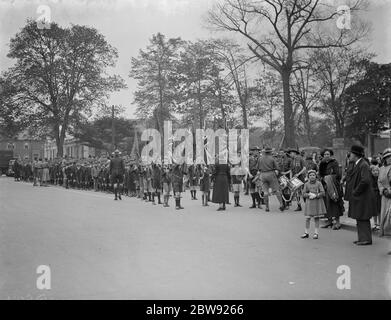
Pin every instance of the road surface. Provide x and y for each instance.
(97, 248)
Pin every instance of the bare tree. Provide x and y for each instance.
(236, 62)
(306, 94)
(279, 32)
(335, 70)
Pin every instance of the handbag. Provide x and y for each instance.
(331, 188)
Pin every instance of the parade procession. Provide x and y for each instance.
(296, 179)
(188, 150)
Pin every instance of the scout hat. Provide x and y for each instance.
(293, 150)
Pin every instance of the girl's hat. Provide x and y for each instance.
(311, 171)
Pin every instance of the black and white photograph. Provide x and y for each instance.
(214, 150)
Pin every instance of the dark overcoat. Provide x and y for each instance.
(221, 177)
(331, 167)
(360, 194)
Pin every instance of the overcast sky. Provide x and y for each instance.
(129, 24)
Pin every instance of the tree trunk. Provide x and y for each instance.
(308, 125)
(60, 146)
(244, 112)
(289, 129)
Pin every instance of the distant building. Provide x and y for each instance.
(72, 148)
(23, 146)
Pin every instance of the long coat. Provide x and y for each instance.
(222, 179)
(331, 168)
(361, 196)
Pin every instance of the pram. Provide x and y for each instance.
(289, 188)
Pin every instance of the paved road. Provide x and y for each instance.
(100, 249)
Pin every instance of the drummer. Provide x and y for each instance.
(298, 170)
(268, 168)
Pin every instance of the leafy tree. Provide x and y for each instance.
(98, 133)
(154, 69)
(368, 102)
(60, 74)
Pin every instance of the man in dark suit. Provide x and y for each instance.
(360, 195)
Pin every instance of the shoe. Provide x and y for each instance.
(115, 198)
(336, 227)
(238, 205)
(355, 242)
(282, 208)
(298, 209)
(328, 225)
(364, 243)
(119, 197)
(315, 236)
(165, 205)
(305, 236)
(253, 206)
(267, 209)
(220, 209)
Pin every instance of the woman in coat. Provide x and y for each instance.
(330, 175)
(385, 186)
(222, 180)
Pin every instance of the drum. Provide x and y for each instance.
(284, 182)
(295, 183)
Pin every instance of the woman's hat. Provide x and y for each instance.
(268, 150)
(311, 171)
(386, 153)
(357, 150)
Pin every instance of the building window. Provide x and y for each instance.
(10, 146)
(26, 146)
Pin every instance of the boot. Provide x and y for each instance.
(120, 192)
(253, 198)
(153, 198)
(177, 205)
(267, 203)
(158, 198)
(149, 196)
(115, 194)
(282, 204)
(237, 201)
(165, 201)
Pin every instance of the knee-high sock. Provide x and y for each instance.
(253, 198)
(279, 197)
(158, 198)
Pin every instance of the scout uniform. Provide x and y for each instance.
(205, 183)
(156, 182)
(267, 166)
(117, 171)
(237, 175)
(166, 180)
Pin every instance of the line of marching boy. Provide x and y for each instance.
(157, 183)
